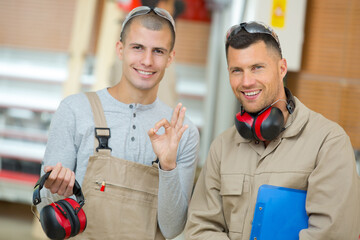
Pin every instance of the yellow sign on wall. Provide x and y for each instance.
(278, 13)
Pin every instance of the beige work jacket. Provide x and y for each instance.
(312, 154)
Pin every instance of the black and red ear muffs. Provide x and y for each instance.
(64, 218)
(266, 125)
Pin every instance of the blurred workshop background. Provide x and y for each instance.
(50, 49)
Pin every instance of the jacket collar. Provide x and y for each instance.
(296, 121)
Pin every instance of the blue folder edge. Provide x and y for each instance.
(279, 213)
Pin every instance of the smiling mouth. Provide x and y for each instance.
(251, 93)
(147, 73)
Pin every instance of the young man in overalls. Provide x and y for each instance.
(134, 157)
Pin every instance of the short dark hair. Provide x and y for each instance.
(243, 39)
(150, 21)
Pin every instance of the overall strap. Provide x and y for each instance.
(102, 132)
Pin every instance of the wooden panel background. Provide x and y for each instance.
(192, 41)
(47, 25)
(329, 81)
(40, 24)
(335, 98)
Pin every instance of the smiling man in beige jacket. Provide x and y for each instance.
(276, 140)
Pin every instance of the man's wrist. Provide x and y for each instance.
(167, 166)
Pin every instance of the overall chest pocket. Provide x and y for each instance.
(235, 195)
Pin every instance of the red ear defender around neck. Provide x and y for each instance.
(267, 124)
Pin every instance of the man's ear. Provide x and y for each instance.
(171, 58)
(283, 67)
(119, 49)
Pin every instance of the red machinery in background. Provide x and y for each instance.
(194, 10)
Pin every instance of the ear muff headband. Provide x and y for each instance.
(40, 184)
(290, 106)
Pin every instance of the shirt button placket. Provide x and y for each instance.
(131, 106)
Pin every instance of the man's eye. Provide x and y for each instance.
(136, 47)
(158, 51)
(257, 67)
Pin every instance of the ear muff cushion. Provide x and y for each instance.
(80, 216)
(54, 223)
(244, 124)
(75, 224)
(269, 124)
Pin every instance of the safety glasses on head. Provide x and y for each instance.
(143, 10)
(251, 27)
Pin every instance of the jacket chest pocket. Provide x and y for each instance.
(235, 195)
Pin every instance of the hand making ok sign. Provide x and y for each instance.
(165, 146)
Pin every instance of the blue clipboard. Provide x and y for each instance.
(279, 213)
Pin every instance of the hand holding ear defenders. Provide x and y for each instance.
(265, 125)
(64, 218)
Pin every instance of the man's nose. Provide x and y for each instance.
(147, 58)
(248, 79)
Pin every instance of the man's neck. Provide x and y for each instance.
(129, 95)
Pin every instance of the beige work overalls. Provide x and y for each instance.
(121, 197)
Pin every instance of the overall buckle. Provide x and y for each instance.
(103, 135)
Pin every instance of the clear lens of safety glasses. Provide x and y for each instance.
(251, 27)
(142, 10)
